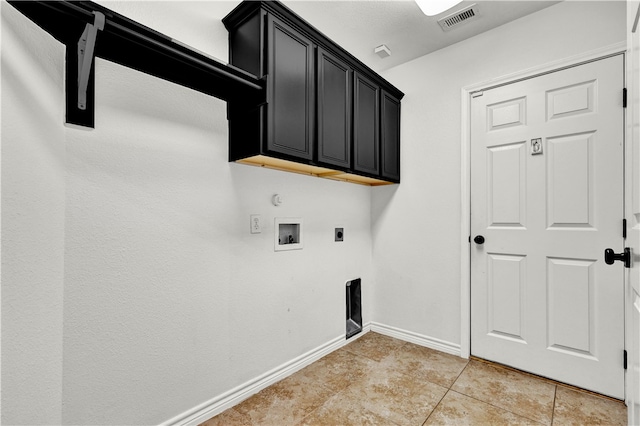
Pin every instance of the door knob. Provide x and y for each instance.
(479, 239)
(610, 257)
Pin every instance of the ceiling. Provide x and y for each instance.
(360, 26)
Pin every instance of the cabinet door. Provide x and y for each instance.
(334, 110)
(290, 107)
(390, 137)
(365, 126)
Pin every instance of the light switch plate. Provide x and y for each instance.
(256, 223)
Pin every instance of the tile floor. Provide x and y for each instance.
(379, 380)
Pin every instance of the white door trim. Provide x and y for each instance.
(465, 226)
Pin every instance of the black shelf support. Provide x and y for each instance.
(116, 38)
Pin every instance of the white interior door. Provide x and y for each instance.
(547, 196)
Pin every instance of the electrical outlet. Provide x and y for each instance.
(256, 223)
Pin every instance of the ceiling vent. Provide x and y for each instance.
(460, 17)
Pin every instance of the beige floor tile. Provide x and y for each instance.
(411, 383)
(284, 403)
(374, 346)
(580, 408)
(345, 409)
(402, 399)
(516, 392)
(229, 417)
(426, 364)
(338, 370)
(457, 409)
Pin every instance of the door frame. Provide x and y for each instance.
(632, 135)
(465, 159)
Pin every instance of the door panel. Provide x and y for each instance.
(570, 181)
(571, 100)
(506, 170)
(506, 114)
(506, 283)
(571, 298)
(547, 195)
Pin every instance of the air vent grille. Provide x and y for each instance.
(457, 19)
(461, 16)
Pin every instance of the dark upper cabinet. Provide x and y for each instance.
(290, 91)
(366, 113)
(390, 137)
(325, 112)
(334, 110)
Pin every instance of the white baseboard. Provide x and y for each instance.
(220, 403)
(418, 339)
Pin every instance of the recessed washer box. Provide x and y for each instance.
(288, 233)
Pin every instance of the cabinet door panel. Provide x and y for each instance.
(290, 108)
(334, 110)
(390, 137)
(366, 130)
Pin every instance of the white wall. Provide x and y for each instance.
(33, 191)
(132, 290)
(131, 283)
(416, 226)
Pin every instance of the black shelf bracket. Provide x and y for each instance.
(77, 24)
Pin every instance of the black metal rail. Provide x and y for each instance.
(136, 46)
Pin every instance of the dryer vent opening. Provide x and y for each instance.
(354, 308)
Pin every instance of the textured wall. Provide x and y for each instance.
(132, 289)
(416, 226)
(33, 164)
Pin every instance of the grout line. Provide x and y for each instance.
(324, 386)
(553, 412)
(473, 358)
(588, 392)
(544, 379)
(435, 408)
(318, 407)
(497, 406)
(360, 354)
(460, 374)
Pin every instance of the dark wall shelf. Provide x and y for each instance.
(136, 46)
